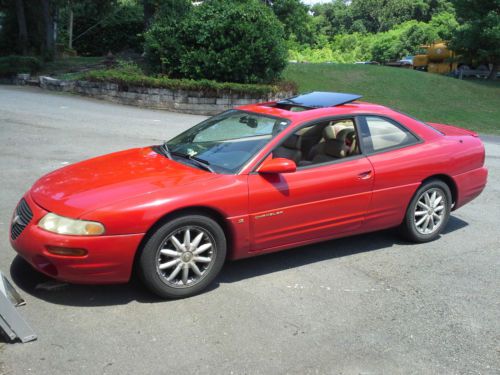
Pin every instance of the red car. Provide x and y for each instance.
(253, 180)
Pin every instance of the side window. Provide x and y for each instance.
(320, 143)
(380, 134)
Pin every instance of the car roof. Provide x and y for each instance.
(349, 109)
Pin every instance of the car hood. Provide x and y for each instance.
(80, 188)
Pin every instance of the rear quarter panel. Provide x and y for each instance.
(468, 170)
(399, 173)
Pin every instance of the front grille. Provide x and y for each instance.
(22, 217)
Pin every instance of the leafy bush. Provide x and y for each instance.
(12, 65)
(128, 67)
(161, 41)
(132, 77)
(236, 41)
(404, 39)
(345, 48)
(349, 48)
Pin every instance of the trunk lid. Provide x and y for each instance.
(452, 130)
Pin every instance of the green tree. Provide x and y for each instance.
(445, 25)
(335, 18)
(341, 16)
(295, 18)
(383, 15)
(478, 35)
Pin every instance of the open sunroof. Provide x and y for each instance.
(318, 99)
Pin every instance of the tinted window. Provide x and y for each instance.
(381, 134)
(320, 143)
(226, 141)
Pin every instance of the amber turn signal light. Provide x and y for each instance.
(66, 251)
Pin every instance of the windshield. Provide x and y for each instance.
(227, 141)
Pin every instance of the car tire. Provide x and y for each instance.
(174, 264)
(428, 212)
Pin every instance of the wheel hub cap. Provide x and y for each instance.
(429, 211)
(185, 256)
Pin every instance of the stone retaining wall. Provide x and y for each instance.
(194, 102)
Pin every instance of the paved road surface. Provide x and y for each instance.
(369, 304)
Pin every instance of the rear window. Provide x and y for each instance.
(380, 134)
(421, 122)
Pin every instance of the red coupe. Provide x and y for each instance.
(253, 180)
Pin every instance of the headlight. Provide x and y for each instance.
(63, 225)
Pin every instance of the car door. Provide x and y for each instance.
(393, 151)
(314, 202)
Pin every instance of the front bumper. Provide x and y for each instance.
(109, 259)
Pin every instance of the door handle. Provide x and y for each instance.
(365, 175)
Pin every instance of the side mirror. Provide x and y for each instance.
(278, 165)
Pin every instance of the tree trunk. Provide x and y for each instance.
(148, 13)
(48, 22)
(493, 74)
(23, 31)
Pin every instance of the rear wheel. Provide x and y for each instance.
(183, 256)
(428, 212)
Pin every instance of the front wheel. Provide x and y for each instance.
(183, 256)
(428, 212)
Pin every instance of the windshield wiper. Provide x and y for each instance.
(202, 163)
(164, 148)
(199, 162)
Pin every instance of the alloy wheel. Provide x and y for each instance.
(185, 256)
(429, 211)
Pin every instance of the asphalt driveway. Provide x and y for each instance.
(368, 304)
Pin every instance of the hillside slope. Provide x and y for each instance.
(470, 104)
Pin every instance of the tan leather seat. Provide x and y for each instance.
(290, 149)
(334, 146)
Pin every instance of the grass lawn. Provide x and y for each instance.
(472, 104)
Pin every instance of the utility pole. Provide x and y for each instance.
(70, 25)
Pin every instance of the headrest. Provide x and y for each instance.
(329, 132)
(336, 148)
(293, 142)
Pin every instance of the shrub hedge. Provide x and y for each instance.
(238, 41)
(13, 64)
(128, 78)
